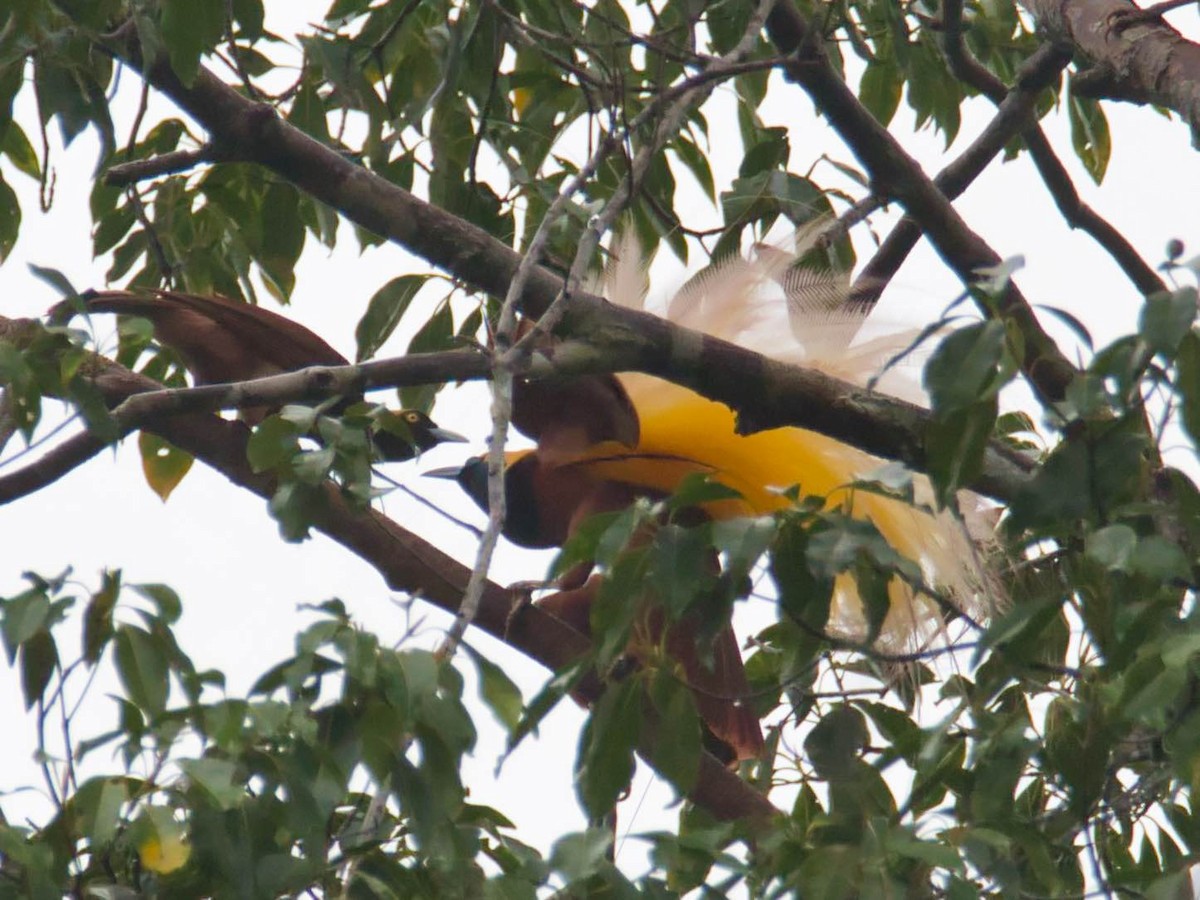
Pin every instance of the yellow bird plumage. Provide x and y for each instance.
(603, 441)
(682, 432)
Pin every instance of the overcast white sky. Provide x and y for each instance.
(241, 585)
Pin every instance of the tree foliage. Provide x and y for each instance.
(1049, 750)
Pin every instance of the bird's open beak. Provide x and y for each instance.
(450, 472)
(446, 436)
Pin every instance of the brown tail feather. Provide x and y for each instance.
(719, 688)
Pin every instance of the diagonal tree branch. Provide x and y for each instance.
(882, 425)
(894, 173)
(1015, 109)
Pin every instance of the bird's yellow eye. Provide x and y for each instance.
(411, 417)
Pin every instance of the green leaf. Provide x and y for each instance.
(545, 700)
(313, 466)
(1112, 546)
(217, 778)
(579, 856)
(384, 312)
(940, 856)
(164, 598)
(769, 153)
(1160, 559)
(98, 805)
(1089, 134)
(1188, 384)
(10, 219)
(965, 367)
(680, 558)
(98, 617)
(24, 616)
(676, 751)
(142, 668)
(803, 594)
(872, 583)
(191, 28)
(55, 279)
(497, 690)
(295, 506)
(697, 163)
(956, 443)
(61, 93)
(163, 464)
(898, 729)
(112, 228)
(1074, 744)
(880, 90)
(1167, 318)
(15, 145)
(605, 763)
(308, 113)
(249, 16)
(39, 658)
(159, 839)
(436, 334)
(839, 545)
(1071, 321)
(275, 441)
(835, 743)
(283, 238)
(698, 488)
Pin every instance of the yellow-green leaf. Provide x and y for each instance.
(163, 464)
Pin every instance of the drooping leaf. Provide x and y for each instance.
(605, 763)
(1090, 137)
(163, 464)
(497, 690)
(384, 311)
(190, 28)
(142, 668)
(10, 219)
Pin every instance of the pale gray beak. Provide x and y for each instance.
(445, 435)
(449, 472)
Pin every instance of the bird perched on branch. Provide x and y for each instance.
(220, 340)
(604, 441)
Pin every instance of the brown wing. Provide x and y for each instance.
(721, 691)
(568, 416)
(567, 496)
(222, 340)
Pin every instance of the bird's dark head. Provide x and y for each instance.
(408, 432)
(471, 476)
(521, 524)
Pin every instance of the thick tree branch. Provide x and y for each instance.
(785, 394)
(55, 463)
(896, 174)
(1145, 62)
(414, 566)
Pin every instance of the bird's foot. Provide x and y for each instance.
(522, 598)
(1123, 19)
